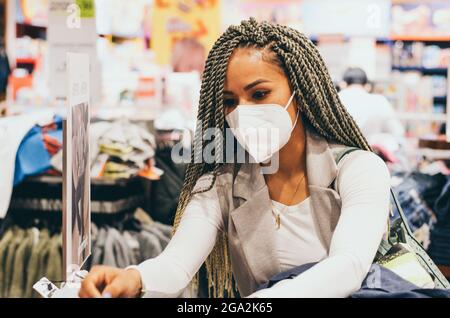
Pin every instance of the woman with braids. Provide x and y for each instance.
(247, 225)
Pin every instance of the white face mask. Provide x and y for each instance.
(262, 129)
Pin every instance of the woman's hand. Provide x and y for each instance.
(111, 282)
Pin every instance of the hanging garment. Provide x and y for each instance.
(21, 260)
(54, 264)
(43, 263)
(150, 246)
(440, 233)
(442, 205)
(163, 238)
(9, 266)
(116, 250)
(439, 249)
(4, 243)
(131, 239)
(165, 229)
(98, 249)
(166, 191)
(409, 193)
(27, 255)
(34, 271)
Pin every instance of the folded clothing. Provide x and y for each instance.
(37, 148)
(118, 150)
(12, 131)
(380, 282)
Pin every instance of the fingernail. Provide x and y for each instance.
(106, 295)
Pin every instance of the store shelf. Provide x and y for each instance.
(33, 31)
(432, 38)
(315, 39)
(422, 117)
(29, 25)
(440, 99)
(438, 144)
(119, 38)
(94, 181)
(423, 70)
(29, 60)
(391, 39)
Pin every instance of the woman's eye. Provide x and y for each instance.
(229, 102)
(258, 95)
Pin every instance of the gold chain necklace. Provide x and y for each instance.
(278, 215)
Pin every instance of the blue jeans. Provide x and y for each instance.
(380, 282)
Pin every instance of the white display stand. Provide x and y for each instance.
(447, 125)
(76, 182)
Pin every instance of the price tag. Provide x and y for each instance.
(45, 288)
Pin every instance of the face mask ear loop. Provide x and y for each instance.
(296, 119)
(298, 110)
(290, 101)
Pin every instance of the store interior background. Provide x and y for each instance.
(146, 61)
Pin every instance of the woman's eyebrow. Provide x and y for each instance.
(253, 84)
(249, 86)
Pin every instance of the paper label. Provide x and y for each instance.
(45, 288)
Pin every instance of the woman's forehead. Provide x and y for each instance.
(248, 64)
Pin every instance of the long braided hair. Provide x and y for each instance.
(321, 109)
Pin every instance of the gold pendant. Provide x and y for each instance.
(278, 221)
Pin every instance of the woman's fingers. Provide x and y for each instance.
(91, 285)
(115, 289)
(109, 282)
(127, 283)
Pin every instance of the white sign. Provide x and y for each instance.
(447, 125)
(69, 32)
(362, 53)
(76, 185)
(346, 17)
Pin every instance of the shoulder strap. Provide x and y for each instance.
(342, 153)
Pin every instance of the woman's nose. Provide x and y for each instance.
(243, 101)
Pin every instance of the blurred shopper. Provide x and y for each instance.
(372, 112)
(188, 55)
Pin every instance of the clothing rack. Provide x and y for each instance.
(44, 193)
(122, 233)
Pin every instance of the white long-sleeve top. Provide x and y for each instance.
(363, 184)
